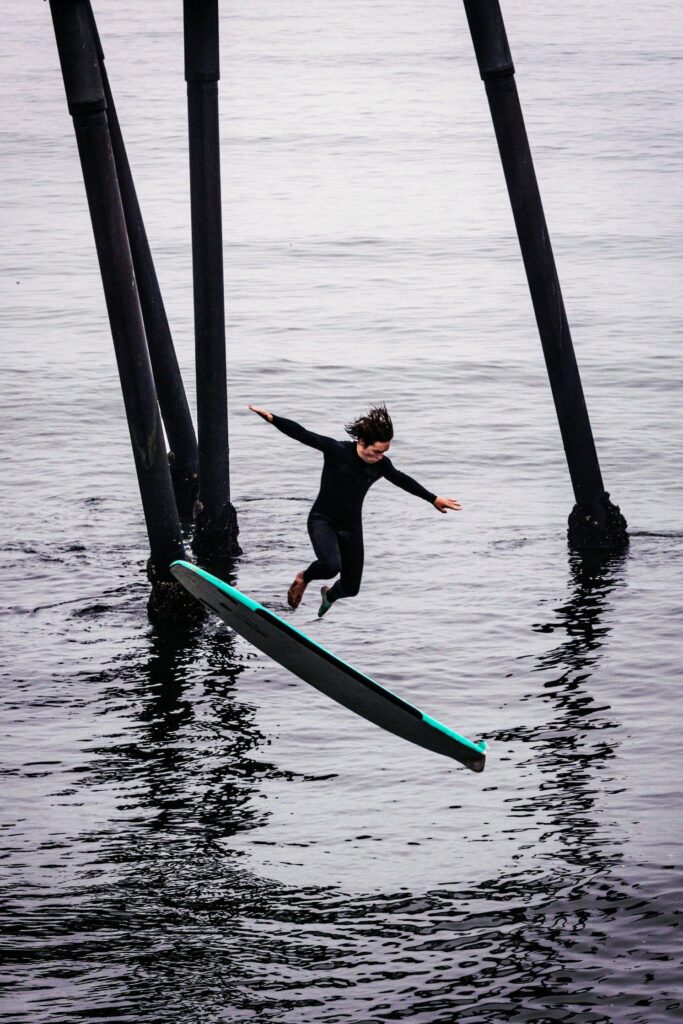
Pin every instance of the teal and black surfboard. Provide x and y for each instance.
(323, 670)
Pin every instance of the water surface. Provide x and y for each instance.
(189, 833)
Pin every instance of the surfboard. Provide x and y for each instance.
(325, 671)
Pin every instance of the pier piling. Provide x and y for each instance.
(594, 521)
(216, 528)
(175, 412)
(87, 106)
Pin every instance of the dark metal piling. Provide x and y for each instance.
(594, 521)
(85, 97)
(216, 528)
(183, 456)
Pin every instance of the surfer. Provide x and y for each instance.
(335, 521)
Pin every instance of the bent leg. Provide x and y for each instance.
(352, 557)
(325, 543)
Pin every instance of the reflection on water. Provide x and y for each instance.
(196, 790)
(593, 577)
(580, 738)
(159, 909)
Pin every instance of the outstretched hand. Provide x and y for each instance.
(262, 412)
(443, 504)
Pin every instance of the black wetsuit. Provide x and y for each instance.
(335, 521)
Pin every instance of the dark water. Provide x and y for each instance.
(191, 834)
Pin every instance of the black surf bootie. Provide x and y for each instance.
(325, 605)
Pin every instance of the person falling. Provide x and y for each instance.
(335, 523)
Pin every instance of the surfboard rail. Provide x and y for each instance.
(323, 670)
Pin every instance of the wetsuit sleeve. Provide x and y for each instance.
(405, 482)
(299, 433)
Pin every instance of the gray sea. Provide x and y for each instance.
(189, 833)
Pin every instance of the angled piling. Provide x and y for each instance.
(594, 521)
(215, 538)
(175, 412)
(87, 106)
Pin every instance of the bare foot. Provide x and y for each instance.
(296, 591)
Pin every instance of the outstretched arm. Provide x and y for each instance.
(407, 483)
(294, 430)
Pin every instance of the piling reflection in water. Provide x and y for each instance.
(159, 904)
(580, 740)
(193, 789)
(142, 899)
(530, 935)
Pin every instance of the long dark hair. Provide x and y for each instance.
(375, 426)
